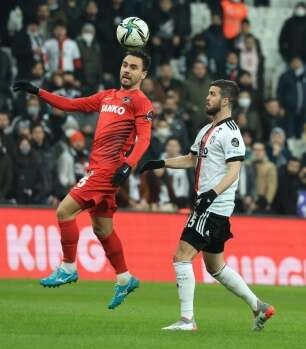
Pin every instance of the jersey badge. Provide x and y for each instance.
(149, 116)
(235, 142)
(126, 100)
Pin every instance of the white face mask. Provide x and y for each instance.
(88, 38)
(244, 102)
(163, 133)
(300, 11)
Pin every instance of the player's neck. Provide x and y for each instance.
(221, 115)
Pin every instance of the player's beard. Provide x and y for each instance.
(212, 111)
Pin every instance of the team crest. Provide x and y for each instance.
(126, 100)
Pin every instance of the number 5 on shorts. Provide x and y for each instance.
(83, 181)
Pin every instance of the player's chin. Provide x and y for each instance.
(126, 83)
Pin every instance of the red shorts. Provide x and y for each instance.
(95, 193)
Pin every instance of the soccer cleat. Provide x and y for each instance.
(182, 325)
(58, 278)
(265, 312)
(121, 292)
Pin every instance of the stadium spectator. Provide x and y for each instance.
(232, 69)
(234, 12)
(169, 28)
(292, 35)
(71, 85)
(27, 180)
(45, 23)
(273, 116)
(298, 146)
(91, 55)
(153, 90)
(251, 60)
(197, 85)
(291, 93)
(239, 41)
(6, 75)
(252, 118)
(61, 53)
(179, 177)
(38, 74)
(285, 201)
(160, 135)
(27, 48)
(174, 120)
(265, 179)
(277, 149)
(73, 10)
(216, 45)
(6, 173)
(166, 79)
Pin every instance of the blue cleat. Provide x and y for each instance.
(58, 278)
(121, 292)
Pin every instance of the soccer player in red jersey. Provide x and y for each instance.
(125, 114)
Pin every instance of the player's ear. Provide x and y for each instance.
(144, 74)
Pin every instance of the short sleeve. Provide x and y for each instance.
(194, 149)
(233, 146)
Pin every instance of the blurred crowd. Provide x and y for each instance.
(70, 47)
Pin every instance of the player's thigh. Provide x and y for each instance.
(184, 252)
(68, 208)
(102, 226)
(213, 261)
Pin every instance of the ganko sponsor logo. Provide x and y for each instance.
(111, 108)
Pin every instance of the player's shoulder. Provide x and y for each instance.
(228, 125)
(140, 97)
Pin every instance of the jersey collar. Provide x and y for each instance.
(224, 120)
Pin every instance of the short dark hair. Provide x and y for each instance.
(228, 89)
(146, 59)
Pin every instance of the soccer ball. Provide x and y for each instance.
(133, 33)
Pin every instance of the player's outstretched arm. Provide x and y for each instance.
(85, 104)
(185, 161)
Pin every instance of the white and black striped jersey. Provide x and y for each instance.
(215, 146)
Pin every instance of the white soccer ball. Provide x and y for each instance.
(133, 33)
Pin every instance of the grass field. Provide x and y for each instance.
(75, 316)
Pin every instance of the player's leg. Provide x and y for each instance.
(103, 228)
(216, 266)
(185, 281)
(66, 214)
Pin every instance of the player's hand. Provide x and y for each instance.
(152, 165)
(121, 175)
(24, 85)
(204, 200)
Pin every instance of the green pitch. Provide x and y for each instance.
(75, 316)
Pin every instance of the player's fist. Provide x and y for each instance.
(204, 200)
(152, 165)
(121, 175)
(24, 85)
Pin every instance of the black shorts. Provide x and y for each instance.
(207, 231)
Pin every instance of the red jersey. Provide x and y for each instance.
(123, 127)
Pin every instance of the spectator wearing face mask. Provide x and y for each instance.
(285, 202)
(91, 55)
(293, 33)
(160, 135)
(252, 118)
(291, 93)
(232, 69)
(27, 180)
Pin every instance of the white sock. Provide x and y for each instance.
(235, 283)
(68, 267)
(186, 284)
(123, 278)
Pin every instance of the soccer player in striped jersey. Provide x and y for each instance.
(121, 137)
(216, 155)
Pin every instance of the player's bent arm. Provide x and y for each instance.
(143, 132)
(85, 104)
(185, 161)
(230, 177)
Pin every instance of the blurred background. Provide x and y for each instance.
(69, 47)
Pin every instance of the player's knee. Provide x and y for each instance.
(101, 232)
(62, 213)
